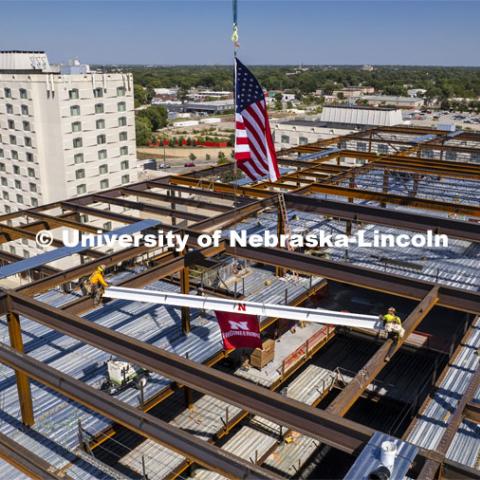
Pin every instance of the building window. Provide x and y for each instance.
(123, 150)
(23, 93)
(18, 184)
(76, 126)
(120, 91)
(33, 187)
(303, 140)
(361, 146)
(16, 170)
(27, 141)
(73, 94)
(74, 110)
(81, 189)
(29, 157)
(78, 158)
(77, 142)
(11, 124)
(26, 253)
(98, 92)
(79, 174)
(31, 172)
(101, 139)
(124, 165)
(1, 153)
(99, 108)
(2, 167)
(19, 198)
(125, 179)
(13, 139)
(102, 154)
(122, 121)
(24, 109)
(9, 108)
(107, 226)
(14, 155)
(8, 93)
(8, 210)
(26, 126)
(5, 196)
(104, 184)
(83, 218)
(122, 136)
(121, 106)
(102, 169)
(4, 182)
(34, 202)
(285, 139)
(449, 155)
(100, 124)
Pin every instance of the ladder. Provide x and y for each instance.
(286, 227)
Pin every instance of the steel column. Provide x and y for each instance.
(23, 382)
(185, 287)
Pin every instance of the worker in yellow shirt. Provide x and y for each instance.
(98, 284)
(393, 329)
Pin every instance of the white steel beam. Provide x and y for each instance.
(327, 317)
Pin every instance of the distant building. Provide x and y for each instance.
(333, 121)
(389, 100)
(367, 68)
(416, 92)
(164, 94)
(202, 108)
(352, 92)
(64, 131)
(206, 95)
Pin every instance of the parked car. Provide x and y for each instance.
(189, 164)
(163, 165)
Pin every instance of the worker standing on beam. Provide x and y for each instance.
(393, 329)
(95, 285)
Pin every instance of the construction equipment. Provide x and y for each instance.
(122, 375)
(301, 314)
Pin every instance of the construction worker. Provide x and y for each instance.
(98, 284)
(393, 329)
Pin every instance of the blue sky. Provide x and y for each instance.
(271, 31)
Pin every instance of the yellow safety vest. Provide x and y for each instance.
(389, 318)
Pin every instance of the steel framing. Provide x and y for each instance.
(160, 198)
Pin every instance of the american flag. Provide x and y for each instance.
(254, 150)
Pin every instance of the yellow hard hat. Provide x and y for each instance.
(101, 268)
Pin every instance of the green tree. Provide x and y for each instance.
(222, 158)
(140, 95)
(208, 157)
(156, 114)
(192, 157)
(278, 101)
(143, 130)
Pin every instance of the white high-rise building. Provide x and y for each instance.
(64, 131)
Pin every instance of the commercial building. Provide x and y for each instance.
(333, 121)
(64, 130)
(203, 108)
(390, 100)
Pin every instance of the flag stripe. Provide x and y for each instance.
(254, 149)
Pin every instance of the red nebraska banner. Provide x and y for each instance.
(239, 330)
